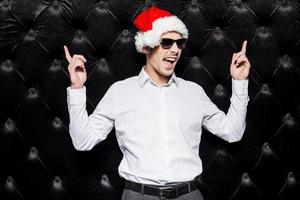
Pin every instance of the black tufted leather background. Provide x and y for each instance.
(37, 158)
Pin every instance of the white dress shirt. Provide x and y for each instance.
(158, 128)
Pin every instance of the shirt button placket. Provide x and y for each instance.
(164, 132)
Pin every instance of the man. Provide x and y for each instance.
(157, 116)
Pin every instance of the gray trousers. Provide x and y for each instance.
(132, 195)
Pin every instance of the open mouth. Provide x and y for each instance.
(170, 60)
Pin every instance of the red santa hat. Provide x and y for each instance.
(152, 23)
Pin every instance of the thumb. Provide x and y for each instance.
(233, 59)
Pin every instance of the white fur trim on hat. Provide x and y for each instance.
(160, 26)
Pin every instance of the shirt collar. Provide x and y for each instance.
(143, 78)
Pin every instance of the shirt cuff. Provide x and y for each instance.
(240, 87)
(76, 96)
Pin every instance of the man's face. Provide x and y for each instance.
(161, 62)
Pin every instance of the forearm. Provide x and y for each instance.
(230, 126)
(79, 128)
(87, 131)
(236, 115)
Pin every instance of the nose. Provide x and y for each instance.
(174, 48)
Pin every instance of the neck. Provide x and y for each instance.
(156, 76)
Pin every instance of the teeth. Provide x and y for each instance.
(170, 59)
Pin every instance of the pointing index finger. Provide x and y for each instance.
(67, 53)
(244, 46)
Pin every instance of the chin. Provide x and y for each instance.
(168, 69)
(168, 72)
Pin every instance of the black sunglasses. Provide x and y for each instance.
(167, 43)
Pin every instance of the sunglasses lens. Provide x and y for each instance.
(181, 43)
(167, 43)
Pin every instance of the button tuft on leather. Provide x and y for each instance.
(10, 183)
(194, 2)
(291, 179)
(221, 152)
(246, 179)
(265, 89)
(285, 62)
(7, 66)
(33, 154)
(33, 93)
(55, 66)
(79, 36)
(218, 36)
(125, 32)
(267, 149)
(55, 4)
(288, 120)
(285, 7)
(101, 4)
(219, 87)
(263, 32)
(219, 91)
(5, 3)
(31, 34)
(148, 2)
(57, 123)
(9, 125)
(195, 63)
(105, 182)
(57, 183)
(218, 28)
(102, 61)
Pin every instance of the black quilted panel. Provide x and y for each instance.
(38, 160)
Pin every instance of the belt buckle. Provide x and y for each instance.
(168, 193)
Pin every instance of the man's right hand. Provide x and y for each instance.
(76, 69)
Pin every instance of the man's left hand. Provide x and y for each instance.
(240, 65)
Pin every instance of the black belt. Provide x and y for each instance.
(165, 192)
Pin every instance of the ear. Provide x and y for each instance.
(146, 50)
